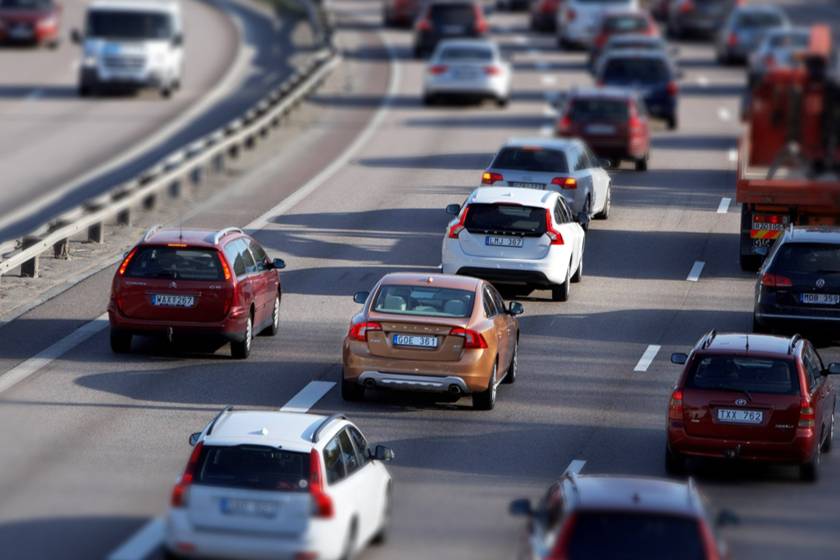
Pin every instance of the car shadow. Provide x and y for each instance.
(454, 161)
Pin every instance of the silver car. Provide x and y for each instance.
(744, 30)
(565, 165)
(467, 68)
(778, 49)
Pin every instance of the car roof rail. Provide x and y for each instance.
(316, 435)
(692, 493)
(793, 342)
(212, 425)
(708, 338)
(151, 231)
(223, 232)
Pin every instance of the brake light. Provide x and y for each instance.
(564, 125)
(492, 70)
(472, 339)
(424, 25)
(673, 88)
(178, 245)
(322, 504)
(490, 178)
(566, 183)
(358, 331)
(459, 227)
(675, 406)
(480, 22)
(570, 15)
(438, 69)
(635, 124)
(770, 280)
(555, 236)
(180, 493)
(687, 6)
(225, 267)
(807, 418)
(126, 260)
(732, 40)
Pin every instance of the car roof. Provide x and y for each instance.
(192, 237)
(607, 92)
(437, 280)
(757, 9)
(508, 195)
(484, 43)
(135, 5)
(288, 430)
(634, 493)
(746, 343)
(636, 54)
(540, 142)
(819, 234)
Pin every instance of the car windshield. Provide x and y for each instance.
(628, 70)
(606, 2)
(626, 536)
(625, 24)
(743, 373)
(452, 14)
(255, 467)
(505, 218)
(26, 4)
(634, 42)
(424, 300)
(807, 258)
(129, 25)
(175, 263)
(466, 54)
(757, 20)
(613, 110)
(536, 159)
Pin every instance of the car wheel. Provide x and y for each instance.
(561, 292)
(749, 263)
(274, 327)
(502, 102)
(350, 543)
(756, 326)
(674, 462)
(827, 444)
(513, 368)
(418, 52)
(84, 90)
(810, 471)
(120, 342)
(605, 213)
(169, 555)
(166, 91)
(486, 400)
(351, 391)
(429, 100)
(587, 210)
(241, 349)
(382, 534)
(578, 275)
(642, 163)
(672, 122)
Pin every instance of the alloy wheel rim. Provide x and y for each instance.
(276, 312)
(248, 331)
(493, 385)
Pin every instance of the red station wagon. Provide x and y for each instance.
(210, 283)
(752, 397)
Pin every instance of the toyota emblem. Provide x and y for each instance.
(821, 283)
(173, 284)
(741, 402)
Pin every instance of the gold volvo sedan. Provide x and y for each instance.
(432, 333)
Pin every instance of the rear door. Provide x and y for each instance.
(510, 322)
(600, 180)
(504, 231)
(819, 388)
(365, 478)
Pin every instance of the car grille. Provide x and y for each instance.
(125, 62)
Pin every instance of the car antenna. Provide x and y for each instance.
(747, 337)
(180, 226)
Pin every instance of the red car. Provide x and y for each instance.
(400, 13)
(544, 14)
(752, 397)
(30, 22)
(208, 283)
(612, 121)
(622, 23)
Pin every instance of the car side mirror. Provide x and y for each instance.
(384, 454)
(606, 163)
(177, 40)
(360, 297)
(453, 209)
(194, 437)
(521, 508)
(515, 308)
(679, 358)
(583, 219)
(726, 518)
(76, 36)
(279, 264)
(832, 369)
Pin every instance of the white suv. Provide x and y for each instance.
(518, 239)
(578, 21)
(273, 484)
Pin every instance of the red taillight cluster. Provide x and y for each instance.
(492, 70)
(770, 280)
(566, 183)
(472, 339)
(675, 406)
(807, 417)
(555, 236)
(322, 504)
(732, 40)
(490, 178)
(601, 40)
(126, 261)
(458, 227)
(673, 88)
(181, 489)
(358, 331)
(635, 124)
(438, 69)
(687, 6)
(424, 25)
(564, 125)
(225, 267)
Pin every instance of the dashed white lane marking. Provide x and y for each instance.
(702, 81)
(696, 271)
(549, 111)
(541, 65)
(575, 467)
(723, 207)
(647, 358)
(521, 39)
(547, 130)
(143, 543)
(732, 155)
(724, 114)
(549, 80)
(52, 352)
(308, 396)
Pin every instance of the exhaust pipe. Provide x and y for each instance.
(370, 383)
(454, 389)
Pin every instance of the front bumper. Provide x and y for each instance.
(94, 77)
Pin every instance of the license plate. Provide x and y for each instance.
(415, 340)
(821, 299)
(600, 129)
(735, 416)
(452, 29)
(520, 185)
(248, 508)
(165, 300)
(493, 241)
(21, 32)
(465, 74)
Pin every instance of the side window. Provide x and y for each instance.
(233, 255)
(489, 304)
(361, 444)
(497, 299)
(560, 212)
(591, 158)
(564, 208)
(333, 462)
(247, 257)
(813, 367)
(580, 161)
(348, 453)
(259, 255)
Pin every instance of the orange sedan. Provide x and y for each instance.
(434, 333)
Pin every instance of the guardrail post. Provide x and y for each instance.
(96, 233)
(177, 188)
(61, 249)
(30, 267)
(150, 202)
(123, 218)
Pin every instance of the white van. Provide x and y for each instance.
(131, 44)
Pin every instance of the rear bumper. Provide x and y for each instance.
(92, 77)
(804, 319)
(232, 328)
(496, 89)
(797, 451)
(613, 148)
(514, 277)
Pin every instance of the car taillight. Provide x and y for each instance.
(181, 490)
(322, 504)
(225, 267)
(480, 22)
(732, 40)
(358, 331)
(600, 41)
(492, 70)
(807, 418)
(770, 60)
(564, 125)
(472, 339)
(424, 25)
(635, 124)
(438, 69)
(126, 261)
(770, 280)
(565, 183)
(675, 406)
(673, 88)
(555, 236)
(570, 15)
(490, 178)
(687, 6)
(459, 227)
(548, 6)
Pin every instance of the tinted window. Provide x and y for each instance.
(175, 263)
(360, 442)
(26, 4)
(736, 373)
(452, 14)
(614, 110)
(259, 254)
(813, 367)
(635, 70)
(625, 24)
(489, 304)
(531, 159)
(348, 453)
(466, 54)
(240, 258)
(505, 218)
(632, 535)
(424, 300)
(113, 24)
(497, 299)
(752, 20)
(254, 467)
(333, 461)
(807, 258)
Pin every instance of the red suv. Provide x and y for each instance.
(752, 397)
(217, 283)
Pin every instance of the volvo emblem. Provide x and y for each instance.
(741, 402)
(821, 283)
(173, 284)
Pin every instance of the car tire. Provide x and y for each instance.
(642, 163)
(749, 263)
(605, 213)
(578, 275)
(381, 535)
(350, 544)
(486, 400)
(241, 349)
(561, 292)
(166, 92)
(587, 209)
(429, 100)
(502, 102)
(827, 444)
(419, 53)
(274, 327)
(674, 462)
(84, 90)
(513, 368)
(351, 391)
(810, 471)
(169, 555)
(120, 342)
(672, 122)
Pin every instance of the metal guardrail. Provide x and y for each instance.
(173, 174)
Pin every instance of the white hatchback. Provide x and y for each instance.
(518, 239)
(467, 68)
(273, 484)
(578, 21)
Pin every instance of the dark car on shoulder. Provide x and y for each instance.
(400, 13)
(447, 19)
(33, 22)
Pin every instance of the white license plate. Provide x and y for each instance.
(21, 32)
(248, 508)
(415, 340)
(166, 300)
(493, 241)
(465, 73)
(736, 416)
(600, 129)
(521, 185)
(453, 29)
(821, 299)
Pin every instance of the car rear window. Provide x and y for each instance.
(175, 263)
(605, 2)
(531, 159)
(424, 300)
(614, 110)
(505, 218)
(752, 20)
(627, 70)
(792, 40)
(744, 373)
(635, 535)
(625, 24)
(452, 14)
(633, 42)
(807, 258)
(466, 54)
(255, 467)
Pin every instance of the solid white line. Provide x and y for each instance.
(521, 39)
(696, 271)
(47, 355)
(723, 207)
(647, 358)
(724, 114)
(575, 467)
(549, 80)
(308, 396)
(549, 111)
(547, 130)
(732, 155)
(142, 543)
